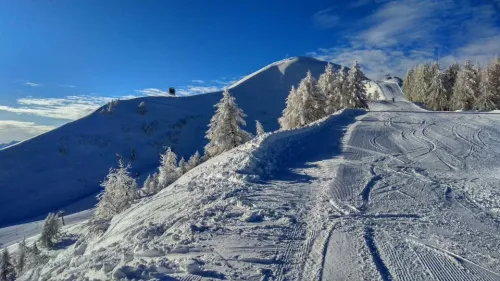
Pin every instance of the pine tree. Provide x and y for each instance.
(50, 231)
(224, 131)
(193, 161)
(312, 105)
(437, 99)
(376, 95)
(341, 87)
(355, 90)
(489, 94)
(327, 86)
(120, 189)
(21, 256)
(7, 270)
(408, 83)
(290, 118)
(466, 87)
(149, 186)
(259, 128)
(167, 172)
(182, 167)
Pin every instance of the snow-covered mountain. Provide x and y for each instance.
(62, 169)
(393, 193)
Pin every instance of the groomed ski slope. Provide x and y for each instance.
(394, 193)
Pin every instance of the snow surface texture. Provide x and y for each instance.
(395, 193)
(66, 165)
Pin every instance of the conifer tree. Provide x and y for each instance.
(355, 90)
(408, 83)
(50, 231)
(311, 108)
(466, 88)
(290, 118)
(21, 256)
(7, 270)
(120, 189)
(341, 87)
(182, 167)
(489, 94)
(149, 186)
(167, 172)
(327, 86)
(225, 132)
(193, 161)
(259, 128)
(437, 99)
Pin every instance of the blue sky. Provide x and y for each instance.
(61, 59)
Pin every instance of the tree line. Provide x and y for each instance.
(468, 87)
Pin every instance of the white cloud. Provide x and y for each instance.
(19, 130)
(196, 90)
(400, 34)
(198, 81)
(31, 84)
(325, 18)
(66, 86)
(68, 108)
(153, 92)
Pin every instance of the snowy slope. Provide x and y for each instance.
(63, 168)
(387, 90)
(395, 193)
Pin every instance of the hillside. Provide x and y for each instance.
(62, 169)
(393, 193)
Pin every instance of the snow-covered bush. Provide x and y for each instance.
(50, 231)
(224, 131)
(120, 189)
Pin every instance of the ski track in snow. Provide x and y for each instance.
(395, 193)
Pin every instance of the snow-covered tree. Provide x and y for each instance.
(327, 84)
(311, 108)
(7, 270)
(193, 161)
(355, 90)
(224, 131)
(489, 95)
(290, 118)
(149, 186)
(142, 108)
(466, 88)
(376, 95)
(182, 167)
(259, 128)
(50, 231)
(21, 256)
(408, 84)
(437, 98)
(167, 172)
(120, 189)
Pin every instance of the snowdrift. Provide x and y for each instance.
(62, 169)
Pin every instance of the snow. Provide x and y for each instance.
(390, 193)
(66, 165)
(393, 193)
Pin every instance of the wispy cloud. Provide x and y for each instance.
(198, 81)
(66, 86)
(325, 18)
(153, 92)
(19, 130)
(67, 108)
(31, 84)
(196, 90)
(399, 34)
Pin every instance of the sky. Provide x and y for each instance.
(60, 60)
